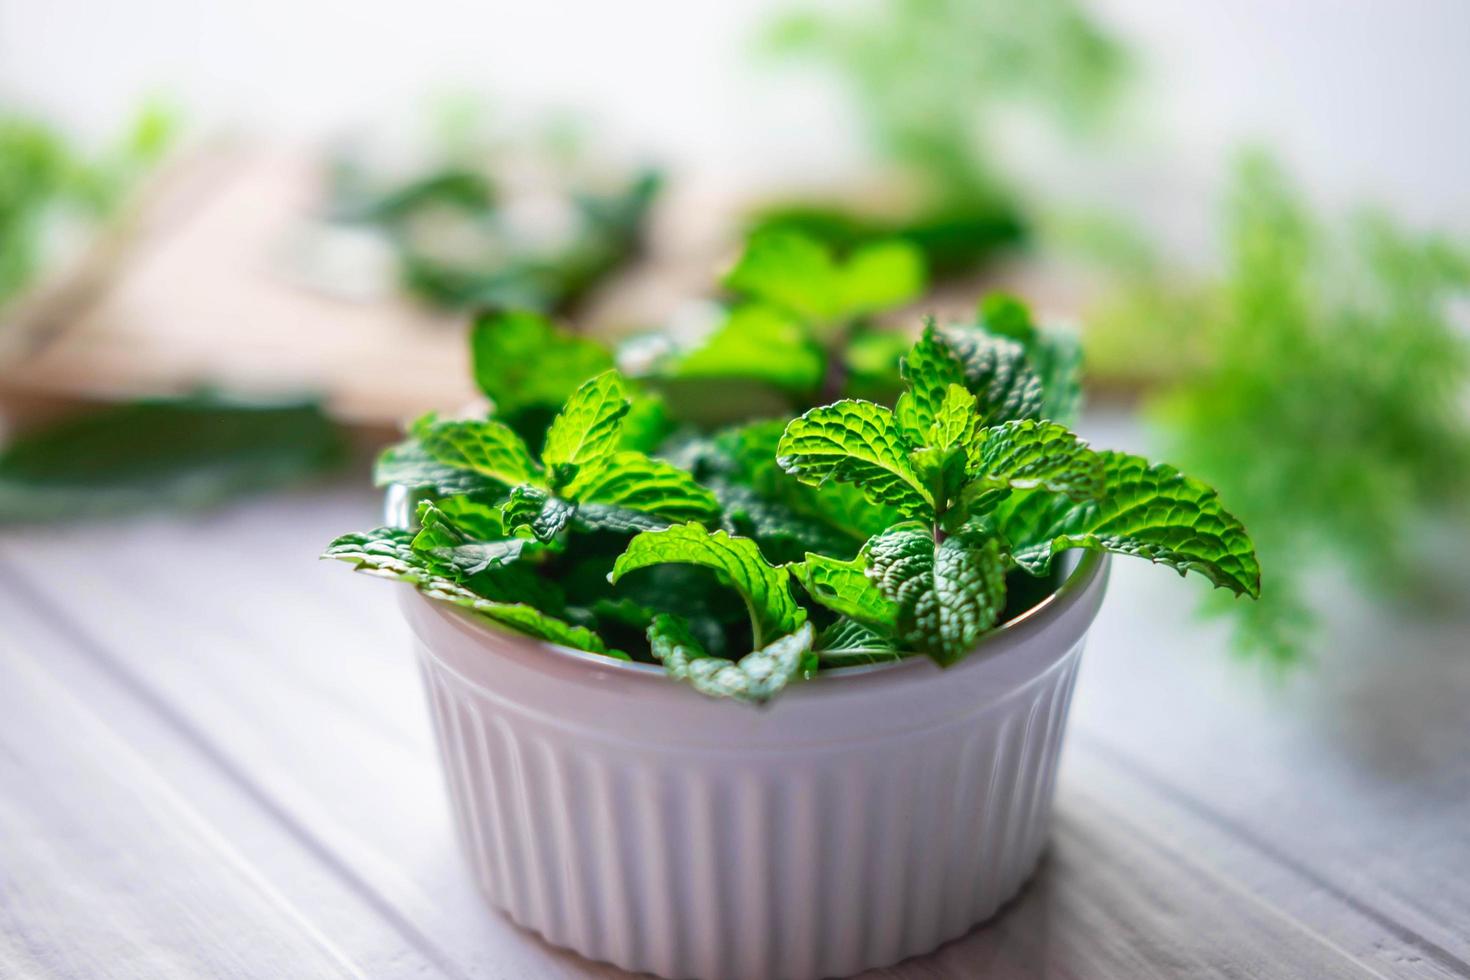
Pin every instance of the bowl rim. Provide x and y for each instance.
(1052, 607)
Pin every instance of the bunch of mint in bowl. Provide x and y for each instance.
(764, 554)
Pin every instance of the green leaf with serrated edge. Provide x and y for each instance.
(1055, 356)
(956, 421)
(790, 271)
(522, 360)
(998, 373)
(486, 447)
(407, 464)
(759, 343)
(586, 431)
(1026, 455)
(783, 533)
(542, 513)
(845, 588)
(949, 594)
(929, 369)
(848, 643)
(385, 551)
(855, 442)
(477, 518)
(636, 482)
(388, 553)
(1149, 511)
(746, 456)
(881, 276)
(738, 561)
(755, 677)
(445, 545)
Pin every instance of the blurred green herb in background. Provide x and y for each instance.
(163, 454)
(517, 221)
(930, 80)
(1320, 384)
(48, 182)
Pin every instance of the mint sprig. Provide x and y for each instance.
(753, 558)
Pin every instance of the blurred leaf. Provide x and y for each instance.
(163, 454)
(522, 360)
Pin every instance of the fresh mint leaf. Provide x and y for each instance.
(1055, 356)
(636, 482)
(759, 343)
(845, 588)
(594, 517)
(407, 464)
(386, 552)
(764, 587)
(949, 593)
(956, 422)
(1150, 511)
(486, 447)
(587, 429)
(929, 370)
(756, 677)
(445, 545)
(860, 443)
(997, 371)
(174, 453)
(523, 361)
(1028, 454)
(848, 643)
(523, 618)
(797, 273)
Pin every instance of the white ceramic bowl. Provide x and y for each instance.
(861, 818)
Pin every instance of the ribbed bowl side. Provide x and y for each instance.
(715, 862)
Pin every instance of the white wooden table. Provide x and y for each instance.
(215, 761)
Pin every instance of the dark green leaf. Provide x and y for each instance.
(176, 453)
(949, 594)
(764, 587)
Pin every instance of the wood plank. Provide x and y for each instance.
(323, 655)
(108, 870)
(314, 704)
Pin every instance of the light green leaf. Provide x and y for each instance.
(948, 594)
(881, 276)
(480, 520)
(855, 442)
(790, 271)
(1026, 455)
(755, 677)
(759, 343)
(764, 587)
(848, 643)
(929, 370)
(1150, 511)
(522, 360)
(845, 588)
(636, 482)
(956, 421)
(407, 464)
(586, 431)
(998, 373)
(486, 447)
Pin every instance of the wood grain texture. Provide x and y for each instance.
(1209, 824)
